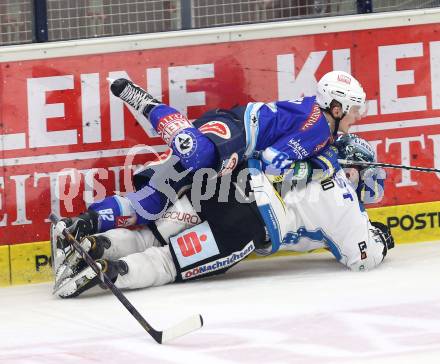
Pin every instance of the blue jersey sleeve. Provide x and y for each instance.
(286, 131)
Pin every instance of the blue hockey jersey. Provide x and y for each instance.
(278, 133)
(285, 131)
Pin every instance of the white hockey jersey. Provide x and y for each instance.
(319, 215)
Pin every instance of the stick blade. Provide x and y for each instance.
(188, 325)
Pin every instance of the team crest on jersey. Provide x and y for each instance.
(313, 118)
(216, 127)
(185, 143)
(344, 78)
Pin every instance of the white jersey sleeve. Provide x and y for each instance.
(328, 215)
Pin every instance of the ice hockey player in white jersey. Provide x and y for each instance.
(186, 244)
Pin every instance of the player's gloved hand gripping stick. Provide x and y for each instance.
(190, 324)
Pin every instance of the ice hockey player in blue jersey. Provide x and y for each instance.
(282, 131)
(278, 133)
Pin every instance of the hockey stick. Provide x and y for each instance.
(387, 165)
(190, 324)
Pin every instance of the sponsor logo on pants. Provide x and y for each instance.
(219, 263)
(194, 245)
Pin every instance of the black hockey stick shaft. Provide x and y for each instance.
(157, 335)
(387, 165)
(186, 326)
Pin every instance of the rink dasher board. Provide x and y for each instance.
(64, 118)
(30, 262)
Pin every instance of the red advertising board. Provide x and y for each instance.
(57, 113)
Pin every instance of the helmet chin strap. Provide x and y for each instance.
(337, 122)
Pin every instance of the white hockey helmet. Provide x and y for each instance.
(342, 87)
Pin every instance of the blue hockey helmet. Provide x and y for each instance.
(353, 147)
(369, 180)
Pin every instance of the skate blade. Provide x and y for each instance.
(67, 268)
(69, 286)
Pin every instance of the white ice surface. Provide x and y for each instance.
(296, 309)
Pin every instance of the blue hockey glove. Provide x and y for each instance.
(325, 164)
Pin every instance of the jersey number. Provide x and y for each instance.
(328, 184)
(107, 214)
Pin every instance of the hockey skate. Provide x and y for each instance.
(81, 226)
(73, 262)
(133, 95)
(87, 278)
